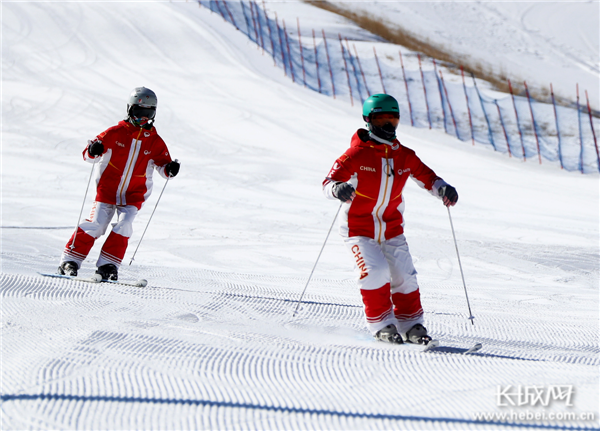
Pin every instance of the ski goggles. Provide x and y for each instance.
(138, 111)
(380, 119)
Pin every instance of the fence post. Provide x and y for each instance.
(280, 44)
(246, 19)
(412, 122)
(316, 60)
(262, 41)
(592, 126)
(346, 67)
(424, 90)
(287, 43)
(328, 62)
(229, 13)
(537, 141)
(490, 134)
(580, 132)
(462, 72)
(503, 128)
(301, 52)
(253, 23)
(450, 106)
(354, 70)
(441, 94)
(518, 122)
(270, 33)
(220, 11)
(557, 128)
(379, 68)
(361, 71)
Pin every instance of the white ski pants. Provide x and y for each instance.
(101, 216)
(387, 280)
(94, 227)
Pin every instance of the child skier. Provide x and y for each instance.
(125, 156)
(369, 178)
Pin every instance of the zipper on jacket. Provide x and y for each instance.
(387, 176)
(128, 169)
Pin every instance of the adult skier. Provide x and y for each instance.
(125, 156)
(369, 178)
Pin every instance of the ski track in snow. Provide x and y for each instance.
(204, 349)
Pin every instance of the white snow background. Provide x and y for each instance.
(539, 41)
(211, 343)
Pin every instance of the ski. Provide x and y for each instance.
(437, 346)
(97, 279)
(475, 348)
(446, 349)
(433, 344)
(139, 283)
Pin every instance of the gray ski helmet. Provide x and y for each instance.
(142, 102)
(143, 97)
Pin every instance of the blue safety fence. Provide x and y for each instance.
(517, 125)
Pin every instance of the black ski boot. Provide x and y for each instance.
(108, 272)
(389, 334)
(418, 335)
(68, 268)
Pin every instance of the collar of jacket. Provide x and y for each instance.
(131, 126)
(363, 137)
(392, 145)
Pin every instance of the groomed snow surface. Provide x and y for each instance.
(211, 343)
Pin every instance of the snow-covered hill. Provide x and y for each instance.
(211, 343)
(539, 41)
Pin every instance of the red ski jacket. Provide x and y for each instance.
(378, 172)
(124, 171)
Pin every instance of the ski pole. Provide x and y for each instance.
(83, 203)
(318, 257)
(148, 224)
(471, 317)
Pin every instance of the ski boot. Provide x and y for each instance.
(389, 334)
(108, 272)
(418, 335)
(68, 268)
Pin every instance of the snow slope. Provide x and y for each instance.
(211, 343)
(539, 41)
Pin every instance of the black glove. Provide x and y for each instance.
(172, 168)
(450, 196)
(95, 148)
(343, 192)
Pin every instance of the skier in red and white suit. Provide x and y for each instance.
(369, 178)
(125, 156)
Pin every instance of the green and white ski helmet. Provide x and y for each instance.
(379, 103)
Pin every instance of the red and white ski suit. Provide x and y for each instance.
(123, 183)
(372, 225)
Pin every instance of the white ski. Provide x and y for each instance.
(431, 345)
(476, 347)
(435, 344)
(418, 347)
(97, 279)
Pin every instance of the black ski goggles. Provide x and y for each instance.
(380, 119)
(138, 111)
